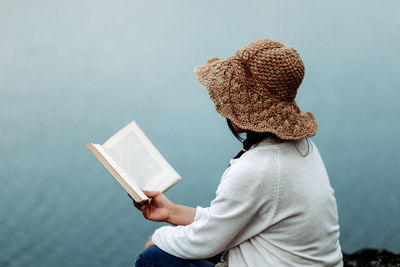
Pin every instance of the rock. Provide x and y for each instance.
(369, 257)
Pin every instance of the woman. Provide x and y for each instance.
(274, 205)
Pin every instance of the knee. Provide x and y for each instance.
(148, 257)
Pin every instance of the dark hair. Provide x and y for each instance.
(256, 137)
(251, 138)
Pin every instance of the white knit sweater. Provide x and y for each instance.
(273, 207)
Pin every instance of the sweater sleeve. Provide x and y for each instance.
(241, 195)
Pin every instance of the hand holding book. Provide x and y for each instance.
(157, 208)
(143, 172)
(160, 209)
(135, 163)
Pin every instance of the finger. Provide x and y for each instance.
(141, 205)
(138, 205)
(152, 194)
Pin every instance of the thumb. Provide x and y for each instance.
(151, 194)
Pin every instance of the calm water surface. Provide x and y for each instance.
(75, 72)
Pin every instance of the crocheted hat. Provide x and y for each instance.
(256, 88)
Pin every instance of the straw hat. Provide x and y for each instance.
(256, 88)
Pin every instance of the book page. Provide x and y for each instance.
(138, 157)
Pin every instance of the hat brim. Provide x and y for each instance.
(249, 110)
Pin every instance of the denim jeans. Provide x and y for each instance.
(155, 257)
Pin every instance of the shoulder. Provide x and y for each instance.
(257, 170)
(260, 159)
(271, 158)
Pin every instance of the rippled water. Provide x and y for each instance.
(75, 72)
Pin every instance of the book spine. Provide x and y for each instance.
(116, 175)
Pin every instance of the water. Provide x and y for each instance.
(75, 72)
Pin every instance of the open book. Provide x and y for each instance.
(135, 163)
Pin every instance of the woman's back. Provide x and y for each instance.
(297, 224)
